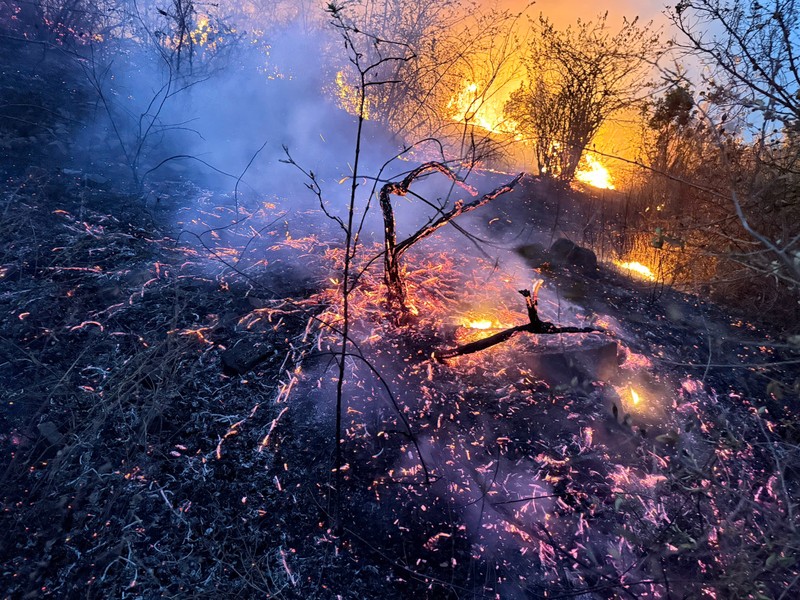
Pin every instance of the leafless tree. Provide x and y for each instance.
(394, 250)
(576, 79)
(182, 19)
(751, 54)
(454, 45)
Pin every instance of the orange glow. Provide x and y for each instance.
(482, 321)
(595, 174)
(635, 397)
(474, 106)
(483, 324)
(201, 32)
(350, 97)
(636, 268)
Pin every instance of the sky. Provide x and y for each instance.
(615, 137)
(563, 12)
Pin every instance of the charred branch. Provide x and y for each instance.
(535, 326)
(396, 293)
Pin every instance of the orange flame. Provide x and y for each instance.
(635, 397)
(481, 324)
(474, 106)
(636, 268)
(595, 174)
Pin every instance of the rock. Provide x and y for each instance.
(50, 432)
(561, 249)
(244, 355)
(561, 362)
(584, 258)
(566, 252)
(534, 254)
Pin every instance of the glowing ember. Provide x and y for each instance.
(481, 321)
(635, 397)
(200, 35)
(595, 174)
(637, 268)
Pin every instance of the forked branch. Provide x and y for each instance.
(395, 286)
(536, 326)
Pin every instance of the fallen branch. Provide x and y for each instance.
(535, 326)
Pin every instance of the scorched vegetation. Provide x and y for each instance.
(366, 299)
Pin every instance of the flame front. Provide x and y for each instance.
(349, 97)
(481, 324)
(473, 107)
(595, 174)
(637, 268)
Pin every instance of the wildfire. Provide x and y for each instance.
(475, 107)
(479, 321)
(349, 97)
(200, 35)
(205, 35)
(595, 174)
(636, 268)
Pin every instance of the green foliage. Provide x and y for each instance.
(724, 153)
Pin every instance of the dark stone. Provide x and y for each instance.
(244, 355)
(584, 258)
(591, 358)
(561, 250)
(535, 255)
(564, 252)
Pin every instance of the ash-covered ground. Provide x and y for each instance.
(167, 423)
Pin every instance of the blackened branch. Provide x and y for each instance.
(396, 294)
(535, 326)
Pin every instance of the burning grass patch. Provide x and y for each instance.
(548, 488)
(136, 464)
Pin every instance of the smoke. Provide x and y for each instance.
(495, 482)
(234, 111)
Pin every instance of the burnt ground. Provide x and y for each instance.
(137, 465)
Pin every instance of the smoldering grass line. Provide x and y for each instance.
(252, 238)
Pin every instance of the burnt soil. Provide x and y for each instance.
(136, 465)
